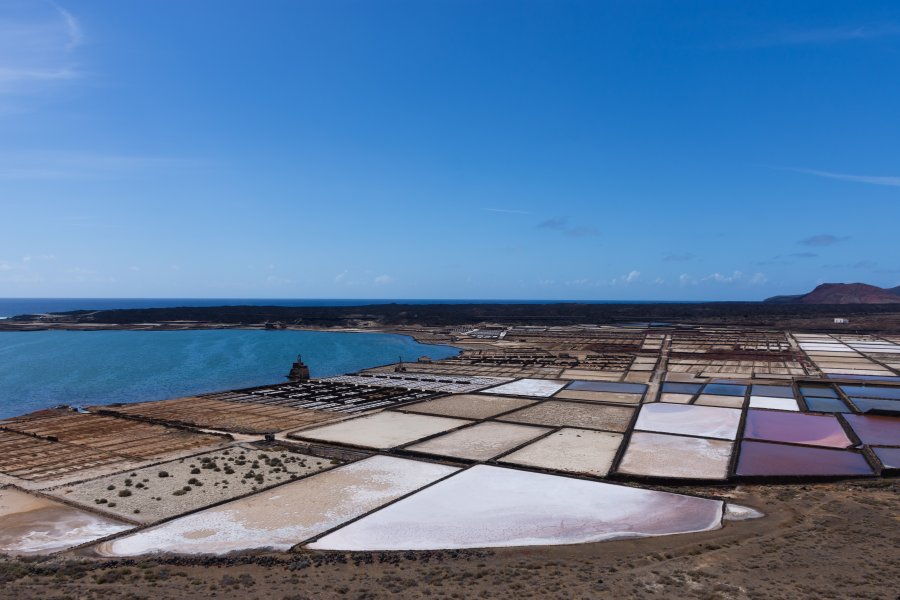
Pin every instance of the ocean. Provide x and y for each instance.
(41, 369)
(10, 307)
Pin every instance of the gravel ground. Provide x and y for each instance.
(152, 493)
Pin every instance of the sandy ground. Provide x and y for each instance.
(829, 540)
(146, 496)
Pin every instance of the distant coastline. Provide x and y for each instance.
(10, 307)
(443, 319)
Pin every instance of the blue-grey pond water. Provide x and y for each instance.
(40, 369)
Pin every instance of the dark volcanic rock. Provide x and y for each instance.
(843, 293)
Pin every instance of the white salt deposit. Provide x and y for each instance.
(491, 507)
(286, 515)
(736, 512)
(538, 388)
(31, 525)
(703, 421)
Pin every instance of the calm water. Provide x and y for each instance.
(41, 369)
(10, 307)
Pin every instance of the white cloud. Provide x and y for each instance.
(719, 278)
(41, 257)
(630, 277)
(384, 280)
(736, 277)
(339, 278)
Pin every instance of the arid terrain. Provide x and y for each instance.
(494, 462)
(825, 540)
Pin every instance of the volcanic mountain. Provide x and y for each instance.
(843, 293)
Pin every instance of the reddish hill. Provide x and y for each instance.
(843, 293)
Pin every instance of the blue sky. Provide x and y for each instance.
(447, 149)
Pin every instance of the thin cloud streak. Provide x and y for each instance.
(824, 239)
(506, 211)
(54, 166)
(825, 35)
(38, 50)
(76, 35)
(870, 179)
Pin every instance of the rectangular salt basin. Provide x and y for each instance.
(574, 414)
(480, 442)
(676, 398)
(603, 386)
(538, 388)
(875, 430)
(485, 507)
(676, 456)
(681, 388)
(795, 428)
(724, 389)
(570, 450)
(866, 391)
(284, 516)
(690, 419)
(773, 403)
(818, 391)
(381, 430)
(889, 458)
(772, 391)
(761, 459)
(610, 397)
(829, 405)
(468, 406)
(876, 405)
(207, 487)
(32, 525)
(723, 401)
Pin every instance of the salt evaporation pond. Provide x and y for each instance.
(485, 507)
(286, 515)
(32, 525)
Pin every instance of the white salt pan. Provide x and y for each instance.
(491, 507)
(287, 515)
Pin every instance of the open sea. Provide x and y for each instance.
(10, 307)
(41, 369)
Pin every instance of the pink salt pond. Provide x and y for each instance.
(761, 459)
(880, 431)
(795, 428)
